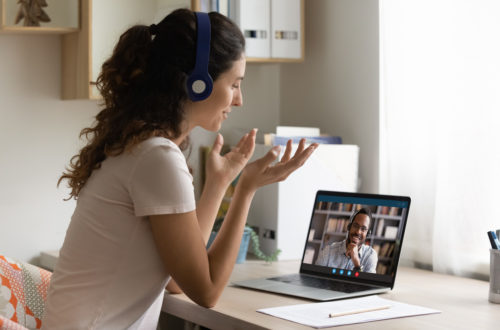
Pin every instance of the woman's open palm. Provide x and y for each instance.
(226, 168)
(263, 172)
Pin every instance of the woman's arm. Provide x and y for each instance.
(203, 274)
(220, 172)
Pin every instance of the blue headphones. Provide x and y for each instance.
(199, 84)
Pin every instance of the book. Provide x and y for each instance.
(390, 250)
(380, 227)
(391, 232)
(383, 249)
(394, 211)
(311, 234)
(381, 268)
(272, 139)
(332, 224)
(297, 131)
(309, 255)
(223, 7)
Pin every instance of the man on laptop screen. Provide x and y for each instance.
(352, 248)
(352, 253)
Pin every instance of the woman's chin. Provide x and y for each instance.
(212, 128)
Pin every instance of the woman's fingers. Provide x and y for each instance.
(288, 152)
(304, 154)
(217, 146)
(248, 144)
(298, 159)
(301, 146)
(269, 157)
(242, 141)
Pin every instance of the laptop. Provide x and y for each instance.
(374, 223)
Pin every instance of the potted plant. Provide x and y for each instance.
(248, 234)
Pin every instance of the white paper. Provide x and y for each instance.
(297, 131)
(317, 314)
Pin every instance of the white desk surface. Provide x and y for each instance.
(463, 302)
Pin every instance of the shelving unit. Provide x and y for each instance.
(84, 52)
(279, 8)
(330, 225)
(64, 16)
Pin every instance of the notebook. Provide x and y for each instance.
(352, 248)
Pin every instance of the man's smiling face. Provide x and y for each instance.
(359, 229)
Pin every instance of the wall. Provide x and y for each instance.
(38, 135)
(39, 132)
(336, 88)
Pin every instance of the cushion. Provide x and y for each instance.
(23, 291)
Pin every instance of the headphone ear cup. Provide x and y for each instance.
(199, 86)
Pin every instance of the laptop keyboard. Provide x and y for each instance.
(320, 283)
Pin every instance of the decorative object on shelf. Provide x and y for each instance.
(32, 12)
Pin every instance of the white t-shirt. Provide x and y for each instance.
(109, 274)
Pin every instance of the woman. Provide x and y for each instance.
(136, 224)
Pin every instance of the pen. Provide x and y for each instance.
(495, 244)
(357, 311)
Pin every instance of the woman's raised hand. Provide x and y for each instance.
(224, 169)
(263, 172)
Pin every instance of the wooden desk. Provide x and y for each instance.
(463, 302)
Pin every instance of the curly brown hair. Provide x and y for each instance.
(143, 87)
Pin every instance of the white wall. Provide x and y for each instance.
(38, 135)
(336, 88)
(39, 132)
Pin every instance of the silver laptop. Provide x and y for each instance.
(342, 226)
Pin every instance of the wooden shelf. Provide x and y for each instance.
(35, 30)
(64, 16)
(274, 60)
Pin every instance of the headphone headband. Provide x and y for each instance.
(200, 83)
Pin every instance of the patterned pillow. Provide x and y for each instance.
(23, 291)
(6, 324)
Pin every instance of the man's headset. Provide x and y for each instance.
(362, 210)
(199, 83)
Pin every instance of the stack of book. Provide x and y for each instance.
(311, 134)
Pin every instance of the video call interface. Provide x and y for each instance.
(343, 224)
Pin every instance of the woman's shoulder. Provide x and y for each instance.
(155, 143)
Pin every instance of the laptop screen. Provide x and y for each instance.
(356, 236)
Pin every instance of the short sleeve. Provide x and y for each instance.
(161, 182)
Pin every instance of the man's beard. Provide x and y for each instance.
(360, 242)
